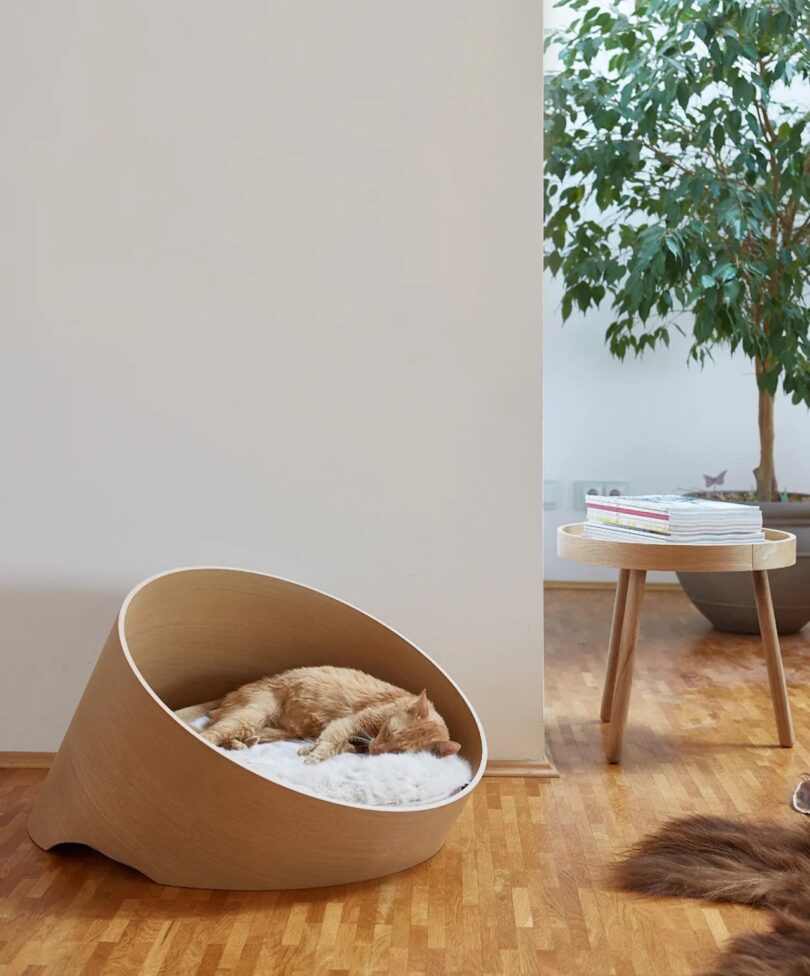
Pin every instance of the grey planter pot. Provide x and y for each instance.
(727, 599)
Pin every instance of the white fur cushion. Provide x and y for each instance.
(392, 779)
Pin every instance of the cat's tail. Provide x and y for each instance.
(754, 863)
(779, 952)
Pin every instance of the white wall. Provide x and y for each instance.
(270, 289)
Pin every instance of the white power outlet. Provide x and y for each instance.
(583, 488)
(615, 488)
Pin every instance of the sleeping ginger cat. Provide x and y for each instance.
(342, 709)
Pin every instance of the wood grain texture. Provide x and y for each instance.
(623, 675)
(132, 781)
(634, 559)
(773, 658)
(605, 585)
(26, 760)
(519, 887)
(778, 551)
(615, 643)
(543, 768)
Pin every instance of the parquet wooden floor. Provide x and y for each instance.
(519, 888)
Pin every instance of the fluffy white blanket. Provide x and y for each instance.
(395, 779)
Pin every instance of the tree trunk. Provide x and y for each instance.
(765, 472)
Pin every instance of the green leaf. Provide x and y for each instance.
(725, 272)
(744, 92)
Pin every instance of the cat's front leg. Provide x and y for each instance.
(333, 740)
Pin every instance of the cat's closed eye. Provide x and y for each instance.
(360, 742)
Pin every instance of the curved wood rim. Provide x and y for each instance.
(776, 552)
(121, 627)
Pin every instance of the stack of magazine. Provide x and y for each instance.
(679, 519)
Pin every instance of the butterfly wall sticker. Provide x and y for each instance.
(716, 479)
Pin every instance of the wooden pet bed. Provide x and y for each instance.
(132, 781)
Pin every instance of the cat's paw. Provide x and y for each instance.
(319, 754)
(306, 749)
(233, 745)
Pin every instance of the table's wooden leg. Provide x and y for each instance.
(624, 665)
(773, 658)
(615, 643)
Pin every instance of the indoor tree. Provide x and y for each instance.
(677, 182)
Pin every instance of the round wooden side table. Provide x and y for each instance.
(633, 560)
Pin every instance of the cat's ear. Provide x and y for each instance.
(419, 709)
(442, 749)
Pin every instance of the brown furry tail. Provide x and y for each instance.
(784, 951)
(760, 863)
(751, 863)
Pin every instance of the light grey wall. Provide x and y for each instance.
(271, 298)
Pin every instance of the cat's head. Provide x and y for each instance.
(412, 728)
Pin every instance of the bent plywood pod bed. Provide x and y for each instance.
(134, 782)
